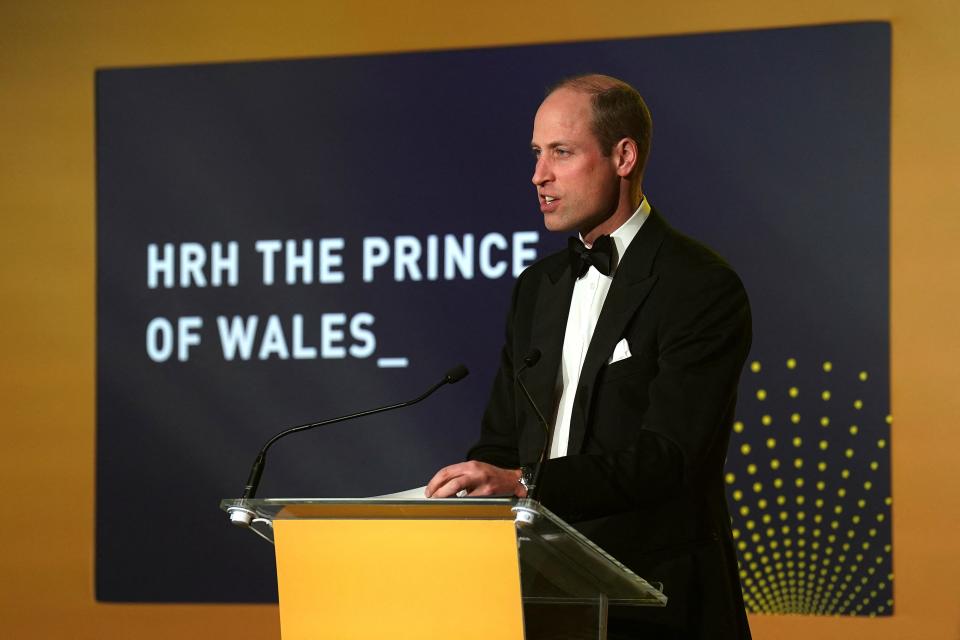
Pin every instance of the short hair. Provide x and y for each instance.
(618, 112)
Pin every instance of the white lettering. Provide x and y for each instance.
(329, 261)
(187, 335)
(406, 250)
(366, 341)
(488, 268)
(220, 264)
(157, 266)
(192, 258)
(269, 250)
(159, 339)
(524, 253)
(376, 252)
(301, 352)
(330, 334)
(433, 260)
(274, 342)
(236, 336)
(302, 262)
(457, 257)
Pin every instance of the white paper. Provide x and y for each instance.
(410, 494)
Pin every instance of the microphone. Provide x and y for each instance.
(243, 517)
(456, 374)
(531, 359)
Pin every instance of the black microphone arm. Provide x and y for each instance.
(529, 361)
(456, 374)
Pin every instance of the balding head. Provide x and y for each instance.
(618, 112)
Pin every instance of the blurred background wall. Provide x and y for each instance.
(48, 53)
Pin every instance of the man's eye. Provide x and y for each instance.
(535, 152)
(560, 151)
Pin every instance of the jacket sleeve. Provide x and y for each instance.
(499, 433)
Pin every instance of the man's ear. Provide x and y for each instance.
(625, 157)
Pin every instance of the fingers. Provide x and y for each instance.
(464, 476)
(442, 477)
(475, 478)
(452, 488)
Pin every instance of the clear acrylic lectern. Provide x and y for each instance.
(444, 568)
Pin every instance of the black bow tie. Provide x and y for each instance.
(600, 256)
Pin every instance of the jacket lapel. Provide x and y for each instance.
(632, 282)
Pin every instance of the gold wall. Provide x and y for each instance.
(48, 53)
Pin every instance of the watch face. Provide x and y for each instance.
(526, 476)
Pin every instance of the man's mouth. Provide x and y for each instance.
(548, 204)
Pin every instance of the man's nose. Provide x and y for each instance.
(542, 173)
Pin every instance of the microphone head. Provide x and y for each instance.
(456, 374)
(532, 358)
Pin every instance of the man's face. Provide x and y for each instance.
(577, 185)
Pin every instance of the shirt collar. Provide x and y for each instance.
(625, 234)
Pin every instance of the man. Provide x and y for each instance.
(640, 366)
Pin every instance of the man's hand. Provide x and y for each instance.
(477, 479)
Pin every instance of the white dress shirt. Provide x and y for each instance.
(589, 294)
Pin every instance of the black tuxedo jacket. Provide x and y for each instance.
(643, 477)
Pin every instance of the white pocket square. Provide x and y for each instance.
(620, 352)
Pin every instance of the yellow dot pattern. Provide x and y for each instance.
(810, 499)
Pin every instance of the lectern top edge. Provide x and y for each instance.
(375, 508)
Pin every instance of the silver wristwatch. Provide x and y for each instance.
(526, 477)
